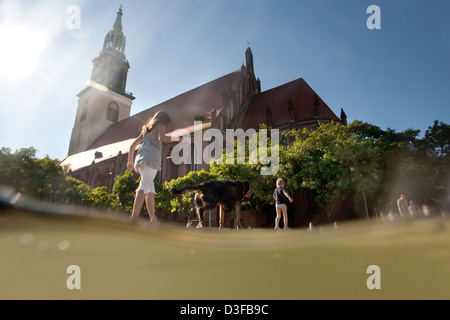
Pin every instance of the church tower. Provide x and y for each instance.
(104, 101)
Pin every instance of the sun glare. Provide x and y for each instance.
(21, 49)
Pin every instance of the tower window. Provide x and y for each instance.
(113, 112)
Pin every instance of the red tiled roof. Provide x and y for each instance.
(303, 100)
(182, 109)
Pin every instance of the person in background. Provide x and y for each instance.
(414, 209)
(280, 195)
(402, 205)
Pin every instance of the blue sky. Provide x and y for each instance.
(395, 77)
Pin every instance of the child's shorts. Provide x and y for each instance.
(147, 176)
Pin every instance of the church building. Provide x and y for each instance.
(104, 127)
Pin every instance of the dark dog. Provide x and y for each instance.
(226, 194)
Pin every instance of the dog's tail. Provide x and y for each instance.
(185, 190)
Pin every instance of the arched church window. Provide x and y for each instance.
(113, 112)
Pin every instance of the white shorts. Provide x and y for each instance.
(279, 205)
(147, 176)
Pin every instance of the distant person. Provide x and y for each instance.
(414, 209)
(425, 210)
(390, 215)
(280, 195)
(402, 205)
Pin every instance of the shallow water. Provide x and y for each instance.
(121, 260)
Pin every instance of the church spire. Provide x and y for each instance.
(115, 39)
(110, 68)
(105, 101)
(249, 58)
(118, 23)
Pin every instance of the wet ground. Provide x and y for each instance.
(116, 259)
(120, 260)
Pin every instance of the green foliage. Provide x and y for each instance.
(75, 191)
(124, 191)
(332, 162)
(98, 198)
(437, 139)
(171, 203)
(39, 178)
(336, 161)
(327, 161)
(261, 186)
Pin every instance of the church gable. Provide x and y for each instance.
(292, 103)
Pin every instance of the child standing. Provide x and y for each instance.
(148, 161)
(280, 196)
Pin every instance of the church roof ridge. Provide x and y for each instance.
(181, 108)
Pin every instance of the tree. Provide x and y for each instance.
(334, 162)
(437, 139)
(98, 198)
(124, 191)
(39, 178)
(75, 191)
(429, 166)
(384, 147)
